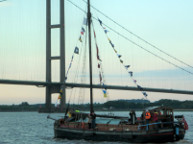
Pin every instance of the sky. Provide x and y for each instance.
(165, 24)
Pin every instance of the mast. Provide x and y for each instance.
(90, 56)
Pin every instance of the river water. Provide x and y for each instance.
(35, 128)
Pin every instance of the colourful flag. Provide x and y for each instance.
(80, 39)
(131, 73)
(139, 87)
(100, 77)
(85, 21)
(82, 31)
(106, 31)
(76, 50)
(70, 65)
(127, 66)
(145, 94)
(99, 65)
(115, 51)
(97, 49)
(111, 44)
(119, 55)
(59, 97)
(100, 22)
(105, 93)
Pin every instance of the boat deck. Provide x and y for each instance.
(113, 127)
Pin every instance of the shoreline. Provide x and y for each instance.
(175, 110)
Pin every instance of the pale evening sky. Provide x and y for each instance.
(166, 24)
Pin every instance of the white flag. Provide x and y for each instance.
(85, 21)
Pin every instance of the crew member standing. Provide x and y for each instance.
(147, 117)
(93, 117)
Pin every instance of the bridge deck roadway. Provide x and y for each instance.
(72, 85)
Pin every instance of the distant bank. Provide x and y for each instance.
(118, 105)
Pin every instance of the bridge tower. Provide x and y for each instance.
(61, 58)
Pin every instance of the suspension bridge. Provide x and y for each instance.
(55, 87)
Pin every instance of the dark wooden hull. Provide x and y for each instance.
(158, 136)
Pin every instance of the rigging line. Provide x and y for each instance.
(100, 66)
(81, 56)
(175, 58)
(76, 75)
(76, 6)
(98, 54)
(82, 91)
(76, 79)
(135, 42)
(163, 59)
(134, 81)
(77, 70)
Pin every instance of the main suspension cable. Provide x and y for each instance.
(163, 59)
(175, 58)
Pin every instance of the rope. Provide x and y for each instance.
(157, 56)
(100, 67)
(121, 61)
(83, 72)
(75, 52)
(135, 35)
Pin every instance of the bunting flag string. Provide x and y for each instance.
(101, 74)
(131, 73)
(105, 93)
(121, 61)
(82, 31)
(80, 39)
(76, 51)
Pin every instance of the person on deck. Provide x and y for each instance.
(132, 117)
(89, 121)
(143, 115)
(147, 117)
(155, 116)
(93, 118)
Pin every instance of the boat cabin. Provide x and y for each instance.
(164, 114)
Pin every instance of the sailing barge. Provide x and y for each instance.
(135, 130)
(155, 125)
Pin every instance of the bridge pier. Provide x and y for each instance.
(48, 100)
(61, 58)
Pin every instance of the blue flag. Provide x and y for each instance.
(127, 66)
(119, 55)
(76, 50)
(131, 73)
(145, 94)
(106, 31)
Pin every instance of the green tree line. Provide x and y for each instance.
(110, 105)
